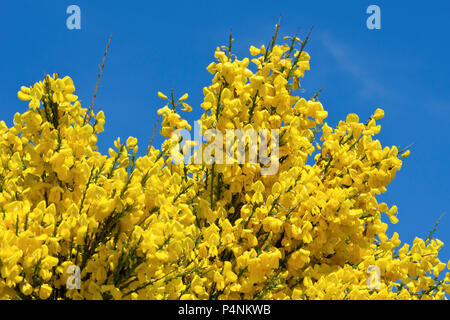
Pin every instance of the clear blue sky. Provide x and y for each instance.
(403, 68)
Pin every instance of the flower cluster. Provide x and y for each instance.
(142, 227)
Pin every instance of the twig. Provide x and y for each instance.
(313, 98)
(404, 149)
(230, 43)
(153, 134)
(89, 114)
(297, 57)
(430, 235)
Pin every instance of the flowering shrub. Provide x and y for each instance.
(142, 227)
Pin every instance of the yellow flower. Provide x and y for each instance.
(123, 226)
(183, 97)
(45, 291)
(26, 289)
(162, 96)
(254, 51)
(32, 94)
(406, 154)
(131, 142)
(379, 114)
(186, 107)
(352, 118)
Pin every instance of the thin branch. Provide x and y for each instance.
(404, 149)
(430, 235)
(153, 134)
(272, 42)
(297, 57)
(314, 97)
(230, 43)
(89, 115)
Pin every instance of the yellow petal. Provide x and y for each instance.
(186, 107)
(379, 114)
(254, 51)
(162, 95)
(183, 97)
(352, 118)
(406, 154)
(23, 96)
(393, 219)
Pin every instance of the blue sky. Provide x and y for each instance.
(402, 68)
